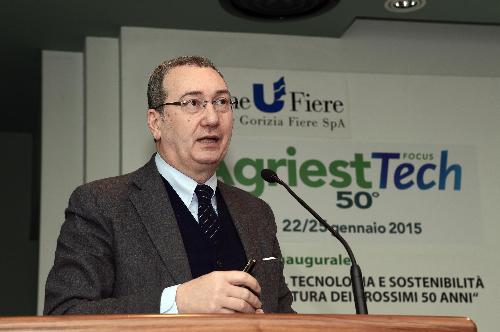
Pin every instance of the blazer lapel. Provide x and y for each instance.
(242, 221)
(156, 213)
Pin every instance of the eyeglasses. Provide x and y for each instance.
(196, 105)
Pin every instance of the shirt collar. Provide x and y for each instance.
(183, 185)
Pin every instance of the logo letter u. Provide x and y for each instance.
(277, 104)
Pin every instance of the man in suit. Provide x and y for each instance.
(170, 238)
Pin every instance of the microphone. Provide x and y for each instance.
(356, 276)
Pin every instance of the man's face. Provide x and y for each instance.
(194, 143)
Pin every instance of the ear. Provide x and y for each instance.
(154, 123)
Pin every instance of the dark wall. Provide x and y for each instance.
(18, 223)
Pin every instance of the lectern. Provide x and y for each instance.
(239, 322)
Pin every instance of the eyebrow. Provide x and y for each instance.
(198, 93)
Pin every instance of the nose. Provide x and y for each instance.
(210, 115)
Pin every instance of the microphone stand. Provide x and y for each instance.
(356, 276)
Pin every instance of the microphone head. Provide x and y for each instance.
(269, 175)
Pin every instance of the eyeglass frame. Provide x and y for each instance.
(232, 102)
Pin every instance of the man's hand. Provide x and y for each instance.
(219, 292)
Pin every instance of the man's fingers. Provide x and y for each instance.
(220, 291)
(245, 295)
(238, 305)
(240, 278)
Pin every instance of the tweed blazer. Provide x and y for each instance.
(120, 246)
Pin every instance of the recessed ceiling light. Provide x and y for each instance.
(404, 6)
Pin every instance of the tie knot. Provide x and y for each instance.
(204, 193)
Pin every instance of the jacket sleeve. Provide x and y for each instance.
(284, 295)
(285, 298)
(82, 278)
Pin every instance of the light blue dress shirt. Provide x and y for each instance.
(184, 186)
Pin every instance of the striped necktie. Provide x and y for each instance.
(207, 218)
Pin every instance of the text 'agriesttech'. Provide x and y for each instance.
(375, 170)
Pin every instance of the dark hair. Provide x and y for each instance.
(156, 93)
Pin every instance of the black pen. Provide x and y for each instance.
(250, 265)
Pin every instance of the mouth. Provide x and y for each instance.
(209, 139)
